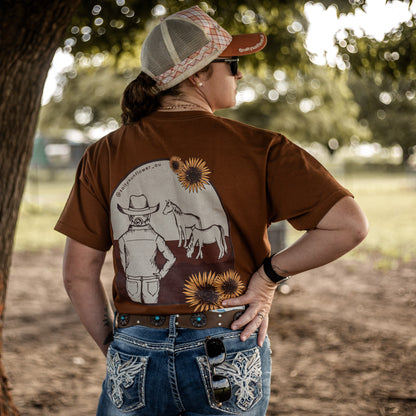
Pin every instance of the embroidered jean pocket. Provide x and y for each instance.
(125, 380)
(243, 370)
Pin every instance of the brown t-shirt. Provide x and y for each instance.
(185, 199)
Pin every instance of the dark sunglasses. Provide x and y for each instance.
(221, 387)
(233, 63)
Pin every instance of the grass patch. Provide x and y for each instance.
(43, 201)
(388, 199)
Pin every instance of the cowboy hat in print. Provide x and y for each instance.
(138, 205)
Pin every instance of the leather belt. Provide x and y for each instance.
(199, 320)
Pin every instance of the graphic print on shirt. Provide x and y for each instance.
(183, 220)
(171, 236)
(142, 273)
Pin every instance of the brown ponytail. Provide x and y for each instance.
(139, 99)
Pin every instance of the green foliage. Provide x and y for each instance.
(349, 6)
(119, 26)
(395, 56)
(312, 107)
(388, 107)
(90, 99)
(116, 28)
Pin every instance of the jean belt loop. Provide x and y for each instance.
(172, 326)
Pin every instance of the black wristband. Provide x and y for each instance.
(270, 273)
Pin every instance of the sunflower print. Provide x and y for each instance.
(229, 285)
(176, 163)
(194, 174)
(200, 292)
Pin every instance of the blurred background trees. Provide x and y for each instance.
(365, 95)
(388, 107)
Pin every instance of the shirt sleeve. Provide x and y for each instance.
(85, 217)
(299, 188)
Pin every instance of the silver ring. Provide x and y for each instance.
(261, 315)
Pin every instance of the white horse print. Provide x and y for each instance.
(183, 220)
(199, 237)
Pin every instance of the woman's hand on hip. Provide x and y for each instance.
(259, 298)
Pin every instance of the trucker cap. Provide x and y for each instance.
(187, 41)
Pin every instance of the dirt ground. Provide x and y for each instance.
(343, 339)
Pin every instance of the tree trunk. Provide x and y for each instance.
(30, 32)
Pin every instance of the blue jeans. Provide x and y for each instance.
(165, 372)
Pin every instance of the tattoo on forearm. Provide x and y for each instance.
(106, 320)
(280, 271)
(107, 323)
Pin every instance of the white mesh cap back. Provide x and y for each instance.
(172, 42)
(181, 45)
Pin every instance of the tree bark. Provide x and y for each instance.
(30, 32)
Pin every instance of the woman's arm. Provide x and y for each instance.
(81, 271)
(340, 230)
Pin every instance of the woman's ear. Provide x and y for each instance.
(195, 81)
